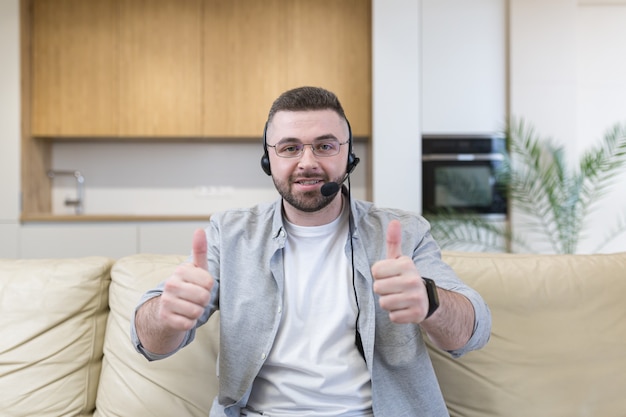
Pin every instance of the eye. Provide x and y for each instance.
(325, 147)
(289, 149)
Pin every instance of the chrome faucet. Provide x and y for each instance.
(77, 203)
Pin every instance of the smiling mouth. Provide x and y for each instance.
(308, 182)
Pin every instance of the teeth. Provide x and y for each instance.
(309, 182)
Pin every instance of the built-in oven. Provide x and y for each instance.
(461, 173)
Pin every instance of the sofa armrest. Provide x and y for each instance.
(53, 321)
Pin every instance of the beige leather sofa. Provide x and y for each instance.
(558, 346)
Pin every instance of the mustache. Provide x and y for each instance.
(308, 175)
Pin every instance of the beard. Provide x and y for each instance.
(309, 202)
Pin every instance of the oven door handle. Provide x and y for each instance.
(464, 157)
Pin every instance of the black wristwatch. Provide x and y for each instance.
(433, 297)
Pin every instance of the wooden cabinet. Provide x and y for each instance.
(112, 68)
(329, 45)
(74, 68)
(160, 61)
(244, 64)
(276, 45)
(196, 68)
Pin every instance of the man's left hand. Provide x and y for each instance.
(398, 283)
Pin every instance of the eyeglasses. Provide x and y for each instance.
(319, 147)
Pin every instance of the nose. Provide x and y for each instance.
(308, 158)
(308, 146)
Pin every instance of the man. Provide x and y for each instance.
(324, 300)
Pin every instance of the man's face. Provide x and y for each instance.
(299, 179)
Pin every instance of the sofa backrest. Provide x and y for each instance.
(557, 349)
(53, 316)
(184, 384)
(558, 342)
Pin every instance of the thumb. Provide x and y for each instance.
(394, 239)
(199, 249)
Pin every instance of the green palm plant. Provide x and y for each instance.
(552, 198)
(556, 198)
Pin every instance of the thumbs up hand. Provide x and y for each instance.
(398, 283)
(188, 291)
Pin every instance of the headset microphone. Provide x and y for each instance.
(331, 188)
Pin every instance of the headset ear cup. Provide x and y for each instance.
(265, 164)
(265, 159)
(353, 161)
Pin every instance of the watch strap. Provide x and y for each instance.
(433, 296)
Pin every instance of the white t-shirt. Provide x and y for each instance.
(314, 367)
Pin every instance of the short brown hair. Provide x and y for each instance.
(306, 98)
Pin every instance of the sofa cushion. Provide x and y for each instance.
(558, 342)
(53, 320)
(181, 385)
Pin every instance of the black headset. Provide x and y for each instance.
(353, 160)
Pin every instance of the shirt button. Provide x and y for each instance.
(280, 310)
(263, 356)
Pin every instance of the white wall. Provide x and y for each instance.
(9, 127)
(601, 101)
(463, 65)
(568, 78)
(396, 147)
(543, 65)
(169, 178)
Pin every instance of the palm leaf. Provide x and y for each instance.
(554, 197)
(462, 231)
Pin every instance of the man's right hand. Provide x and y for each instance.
(162, 322)
(188, 291)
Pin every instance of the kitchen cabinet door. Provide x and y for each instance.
(253, 51)
(160, 68)
(74, 68)
(244, 64)
(329, 45)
